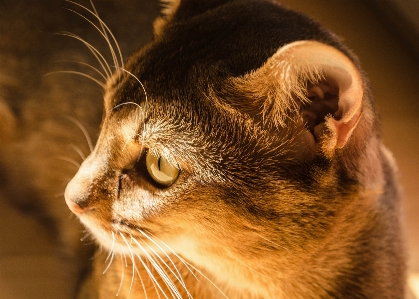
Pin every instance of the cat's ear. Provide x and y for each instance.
(169, 8)
(315, 81)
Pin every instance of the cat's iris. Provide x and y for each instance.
(161, 170)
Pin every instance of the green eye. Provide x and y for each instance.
(161, 170)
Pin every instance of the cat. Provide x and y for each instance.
(240, 157)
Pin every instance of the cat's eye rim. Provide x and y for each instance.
(162, 171)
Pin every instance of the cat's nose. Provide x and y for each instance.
(75, 198)
(71, 199)
(74, 207)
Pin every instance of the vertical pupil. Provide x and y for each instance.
(158, 162)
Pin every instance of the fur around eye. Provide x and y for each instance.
(161, 170)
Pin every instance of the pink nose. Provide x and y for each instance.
(72, 195)
(74, 207)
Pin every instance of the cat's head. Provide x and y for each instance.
(234, 134)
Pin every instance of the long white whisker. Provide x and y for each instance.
(111, 49)
(112, 253)
(112, 246)
(78, 151)
(138, 272)
(125, 103)
(138, 80)
(273, 242)
(142, 86)
(179, 276)
(132, 260)
(86, 64)
(103, 33)
(162, 274)
(103, 24)
(83, 129)
(209, 280)
(75, 163)
(175, 254)
(99, 57)
(150, 274)
(173, 290)
(101, 84)
(144, 112)
(122, 277)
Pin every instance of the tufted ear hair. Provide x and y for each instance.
(183, 9)
(169, 8)
(316, 81)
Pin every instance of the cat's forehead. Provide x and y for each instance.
(198, 48)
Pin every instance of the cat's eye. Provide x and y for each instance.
(161, 170)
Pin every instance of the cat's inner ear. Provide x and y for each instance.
(314, 81)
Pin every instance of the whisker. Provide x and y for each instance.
(126, 262)
(125, 103)
(150, 274)
(128, 140)
(144, 112)
(141, 280)
(103, 33)
(159, 263)
(173, 252)
(112, 246)
(122, 277)
(179, 278)
(273, 242)
(87, 234)
(83, 129)
(103, 25)
(99, 57)
(112, 254)
(190, 265)
(142, 86)
(111, 49)
(85, 64)
(78, 151)
(75, 163)
(162, 274)
(166, 279)
(247, 266)
(77, 73)
(132, 260)
(209, 280)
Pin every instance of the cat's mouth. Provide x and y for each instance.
(121, 236)
(323, 103)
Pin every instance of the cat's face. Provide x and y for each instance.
(221, 139)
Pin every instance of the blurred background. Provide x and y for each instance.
(384, 34)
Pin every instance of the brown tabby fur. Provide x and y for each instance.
(265, 206)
